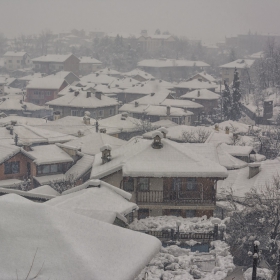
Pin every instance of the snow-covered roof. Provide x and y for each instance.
(171, 63)
(239, 64)
(121, 122)
(7, 151)
(236, 150)
(164, 123)
(181, 103)
(31, 134)
(85, 248)
(217, 154)
(222, 137)
(48, 154)
(139, 72)
(138, 158)
(11, 53)
(239, 182)
(52, 58)
(46, 189)
(83, 101)
(101, 201)
(153, 110)
(88, 59)
(105, 89)
(90, 144)
(15, 104)
(10, 183)
(96, 78)
(257, 55)
(108, 71)
(196, 84)
(236, 127)
(31, 76)
(123, 83)
(204, 94)
(155, 98)
(21, 120)
(204, 75)
(49, 82)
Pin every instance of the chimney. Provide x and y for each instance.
(124, 116)
(11, 130)
(168, 109)
(216, 127)
(21, 101)
(56, 115)
(136, 104)
(106, 153)
(227, 130)
(164, 131)
(198, 93)
(102, 130)
(254, 169)
(98, 95)
(86, 118)
(88, 94)
(76, 93)
(157, 135)
(152, 94)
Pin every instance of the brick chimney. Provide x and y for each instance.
(254, 169)
(98, 95)
(86, 118)
(168, 109)
(157, 136)
(106, 153)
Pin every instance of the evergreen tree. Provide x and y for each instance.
(226, 102)
(236, 96)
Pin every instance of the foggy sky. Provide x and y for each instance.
(209, 20)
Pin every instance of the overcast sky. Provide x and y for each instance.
(209, 20)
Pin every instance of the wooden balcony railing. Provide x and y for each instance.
(174, 197)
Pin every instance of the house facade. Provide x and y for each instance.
(163, 177)
(16, 60)
(52, 63)
(41, 90)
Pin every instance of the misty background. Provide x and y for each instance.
(208, 20)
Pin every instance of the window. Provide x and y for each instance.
(128, 184)
(129, 218)
(143, 184)
(175, 212)
(112, 112)
(143, 213)
(177, 184)
(100, 113)
(176, 120)
(191, 184)
(75, 113)
(50, 168)
(12, 167)
(48, 93)
(190, 213)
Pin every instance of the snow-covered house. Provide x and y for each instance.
(67, 245)
(205, 97)
(203, 77)
(156, 113)
(51, 63)
(184, 87)
(164, 177)
(88, 65)
(170, 69)
(16, 106)
(41, 90)
(16, 60)
(110, 72)
(96, 78)
(76, 103)
(241, 65)
(139, 75)
(99, 200)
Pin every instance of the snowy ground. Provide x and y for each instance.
(196, 224)
(175, 263)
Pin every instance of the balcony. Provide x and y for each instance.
(175, 197)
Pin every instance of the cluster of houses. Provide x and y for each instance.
(68, 121)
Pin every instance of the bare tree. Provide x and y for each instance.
(199, 135)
